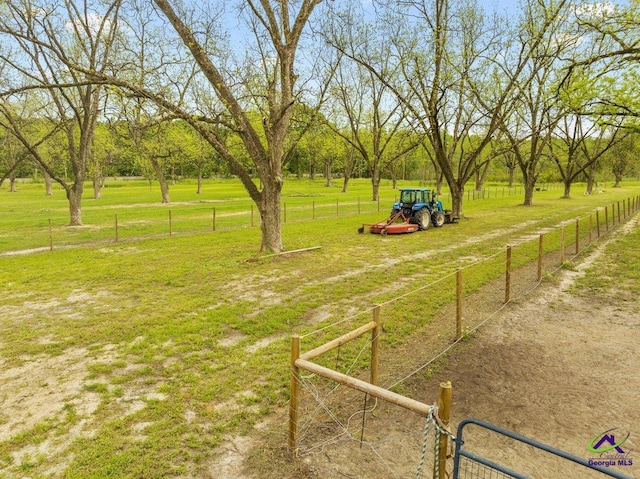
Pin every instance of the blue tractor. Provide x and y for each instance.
(421, 207)
(416, 210)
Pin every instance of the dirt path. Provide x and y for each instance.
(558, 366)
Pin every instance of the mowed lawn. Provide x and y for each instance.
(136, 358)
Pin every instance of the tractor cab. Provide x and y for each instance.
(413, 199)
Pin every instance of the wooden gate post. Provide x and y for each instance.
(294, 390)
(444, 413)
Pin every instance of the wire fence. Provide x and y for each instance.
(422, 324)
(112, 224)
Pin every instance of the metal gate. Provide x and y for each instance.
(468, 465)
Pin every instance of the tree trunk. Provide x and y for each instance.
(375, 184)
(12, 182)
(567, 189)
(269, 207)
(327, 172)
(529, 187)
(512, 174)
(457, 198)
(439, 180)
(345, 183)
(74, 195)
(97, 187)
(591, 179)
(618, 181)
(481, 176)
(164, 186)
(48, 183)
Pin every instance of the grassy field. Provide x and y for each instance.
(173, 344)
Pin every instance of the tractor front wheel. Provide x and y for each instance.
(438, 218)
(421, 218)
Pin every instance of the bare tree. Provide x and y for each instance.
(579, 144)
(278, 27)
(536, 111)
(365, 112)
(254, 103)
(40, 40)
(452, 58)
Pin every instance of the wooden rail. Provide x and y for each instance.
(365, 387)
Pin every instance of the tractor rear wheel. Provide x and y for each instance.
(421, 218)
(438, 218)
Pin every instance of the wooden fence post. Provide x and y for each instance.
(562, 245)
(606, 218)
(577, 235)
(313, 210)
(618, 212)
(444, 413)
(337, 208)
(170, 224)
(375, 346)
(590, 228)
(459, 304)
(598, 223)
(359, 204)
(540, 248)
(294, 390)
(214, 218)
(507, 286)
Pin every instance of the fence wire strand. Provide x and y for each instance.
(552, 249)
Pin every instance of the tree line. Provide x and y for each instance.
(259, 89)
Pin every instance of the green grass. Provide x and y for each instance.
(184, 340)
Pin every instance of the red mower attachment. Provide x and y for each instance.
(396, 224)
